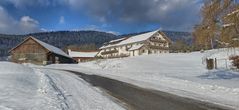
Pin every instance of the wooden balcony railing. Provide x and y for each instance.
(158, 47)
(109, 52)
(158, 40)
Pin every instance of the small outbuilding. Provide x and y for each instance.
(32, 50)
(82, 56)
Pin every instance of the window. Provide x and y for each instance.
(149, 52)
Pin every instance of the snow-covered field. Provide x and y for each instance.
(183, 74)
(38, 88)
(25, 88)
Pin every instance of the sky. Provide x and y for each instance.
(113, 16)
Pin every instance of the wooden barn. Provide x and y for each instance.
(32, 50)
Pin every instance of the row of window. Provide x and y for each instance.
(159, 44)
(122, 47)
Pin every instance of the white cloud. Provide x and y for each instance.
(62, 20)
(170, 14)
(28, 3)
(9, 25)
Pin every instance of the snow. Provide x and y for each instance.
(133, 39)
(135, 47)
(234, 12)
(32, 88)
(82, 54)
(228, 25)
(138, 38)
(51, 48)
(117, 40)
(183, 74)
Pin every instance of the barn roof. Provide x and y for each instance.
(82, 54)
(49, 47)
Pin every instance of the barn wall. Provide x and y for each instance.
(29, 52)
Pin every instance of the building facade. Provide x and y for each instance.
(82, 56)
(32, 50)
(154, 42)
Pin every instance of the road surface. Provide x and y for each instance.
(136, 98)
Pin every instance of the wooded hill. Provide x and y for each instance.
(83, 39)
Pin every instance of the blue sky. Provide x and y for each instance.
(114, 16)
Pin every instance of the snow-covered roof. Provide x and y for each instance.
(228, 25)
(117, 40)
(51, 48)
(82, 54)
(133, 39)
(234, 12)
(135, 47)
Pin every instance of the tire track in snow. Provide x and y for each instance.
(60, 95)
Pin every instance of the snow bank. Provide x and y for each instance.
(17, 83)
(24, 88)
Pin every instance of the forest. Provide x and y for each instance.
(84, 40)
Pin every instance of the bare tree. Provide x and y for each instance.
(210, 27)
(230, 31)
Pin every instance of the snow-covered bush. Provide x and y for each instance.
(235, 61)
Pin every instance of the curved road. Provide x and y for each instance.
(137, 98)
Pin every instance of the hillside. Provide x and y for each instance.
(59, 39)
(184, 36)
(62, 39)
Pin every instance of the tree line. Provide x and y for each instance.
(85, 40)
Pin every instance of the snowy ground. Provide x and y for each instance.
(24, 88)
(183, 74)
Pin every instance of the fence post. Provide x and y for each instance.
(226, 63)
(215, 63)
(210, 64)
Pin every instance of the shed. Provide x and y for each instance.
(32, 50)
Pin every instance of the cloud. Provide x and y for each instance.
(9, 25)
(29, 3)
(62, 20)
(170, 14)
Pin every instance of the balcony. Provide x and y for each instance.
(109, 52)
(158, 47)
(158, 40)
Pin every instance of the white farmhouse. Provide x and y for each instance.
(154, 42)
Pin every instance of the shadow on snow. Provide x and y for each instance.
(220, 74)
